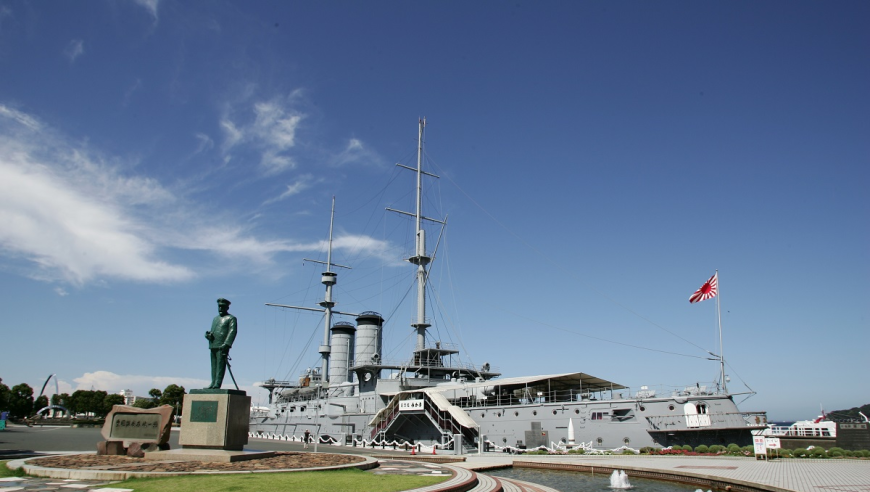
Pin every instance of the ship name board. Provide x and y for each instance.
(410, 405)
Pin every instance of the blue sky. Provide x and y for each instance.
(598, 161)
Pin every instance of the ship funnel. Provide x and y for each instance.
(368, 339)
(342, 352)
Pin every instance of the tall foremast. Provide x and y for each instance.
(329, 279)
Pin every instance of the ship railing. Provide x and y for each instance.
(717, 420)
(445, 422)
(530, 397)
(788, 431)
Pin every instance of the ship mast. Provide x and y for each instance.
(420, 258)
(329, 279)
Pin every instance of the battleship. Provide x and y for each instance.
(433, 400)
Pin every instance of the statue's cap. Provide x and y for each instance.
(223, 301)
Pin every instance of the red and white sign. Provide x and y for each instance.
(760, 445)
(772, 443)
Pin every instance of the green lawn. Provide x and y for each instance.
(351, 480)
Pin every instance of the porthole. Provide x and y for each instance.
(498, 414)
(642, 408)
(599, 441)
(670, 407)
(554, 412)
(482, 415)
(626, 440)
(504, 440)
(577, 411)
(516, 414)
(534, 412)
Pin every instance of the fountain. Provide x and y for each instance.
(619, 480)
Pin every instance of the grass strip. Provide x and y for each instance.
(352, 480)
(6, 472)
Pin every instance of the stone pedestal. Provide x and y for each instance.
(215, 419)
(214, 427)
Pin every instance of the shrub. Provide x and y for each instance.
(835, 448)
(785, 453)
(818, 453)
(800, 453)
(836, 454)
(734, 449)
(577, 451)
(748, 450)
(702, 449)
(865, 453)
(647, 450)
(716, 448)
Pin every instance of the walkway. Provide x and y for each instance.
(798, 475)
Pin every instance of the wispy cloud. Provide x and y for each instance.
(74, 49)
(150, 6)
(77, 217)
(356, 152)
(302, 183)
(270, 127)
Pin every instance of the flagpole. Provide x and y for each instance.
(719, 316)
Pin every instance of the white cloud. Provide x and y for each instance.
(65, 212)
(304, 182)
(150, 6)
(113, 383)
(269, 127)
(74, 49)
(72, 216)
(356, 152)
(61, 291)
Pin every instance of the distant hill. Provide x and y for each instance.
(851, 414)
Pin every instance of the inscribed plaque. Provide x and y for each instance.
(203, 411)
(135, 426)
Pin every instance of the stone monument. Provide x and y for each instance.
(214, 421)
(134, 431)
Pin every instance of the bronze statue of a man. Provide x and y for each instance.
(220, 339)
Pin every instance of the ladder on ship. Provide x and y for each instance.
(445, 418)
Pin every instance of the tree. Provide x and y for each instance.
(4, 396)
(155, 394)
(144, 403)
(109, 401)
(40, 403)
(173, 395)
(61, 399)
(21, 401)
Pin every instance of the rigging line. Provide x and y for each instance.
(593, 337)
(305, 349)
(557, 264)
(738, 377)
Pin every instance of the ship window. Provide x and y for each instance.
(577, 411)
(554, 412)
(642, 408)
(498, 414)
(482, 415)
(670, 407)
(599, 441)
(626, 440)
(534, 412)
(516, 414)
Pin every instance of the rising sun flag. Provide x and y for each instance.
(707, 291)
